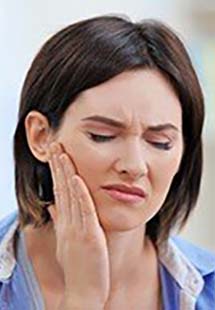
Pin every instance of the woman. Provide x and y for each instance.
(108, 160)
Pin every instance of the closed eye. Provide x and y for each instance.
(100, 138)
(161, 145)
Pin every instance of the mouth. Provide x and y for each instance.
(125, 194)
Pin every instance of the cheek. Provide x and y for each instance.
(91, 162)
(164, 173)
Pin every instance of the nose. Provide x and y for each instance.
(132, 161)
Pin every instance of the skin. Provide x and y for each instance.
(149, 156)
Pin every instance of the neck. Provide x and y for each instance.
(126, 251)
(131, 255)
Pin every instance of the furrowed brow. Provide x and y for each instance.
(161, 127)
(105, 120)
(118, 124)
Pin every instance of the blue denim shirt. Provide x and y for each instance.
(187, 274)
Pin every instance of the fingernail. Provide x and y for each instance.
(52, 147)
(62, 157)
(58, 150)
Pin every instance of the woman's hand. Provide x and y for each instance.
(81, 244)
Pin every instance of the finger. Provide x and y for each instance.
(88, 209)
(68, 173)
(75, 203)
(60, 186)
(54, 180)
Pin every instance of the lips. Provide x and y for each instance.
(134, 190)
(126, 195)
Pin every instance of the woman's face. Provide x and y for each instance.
(144, 151)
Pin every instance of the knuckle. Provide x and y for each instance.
(87, 212)
(90, 239)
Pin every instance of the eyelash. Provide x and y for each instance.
(102, 139)
(162, 145)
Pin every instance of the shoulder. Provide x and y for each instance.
(204, 262)
(202, 259)
(13, 290)
(191, 269)
(6, 222)
(8, 227)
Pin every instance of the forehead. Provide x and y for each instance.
(142, 95)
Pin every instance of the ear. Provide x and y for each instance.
(38, 133)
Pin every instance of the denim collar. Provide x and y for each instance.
(7, 253)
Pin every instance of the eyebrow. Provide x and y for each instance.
(118, 124)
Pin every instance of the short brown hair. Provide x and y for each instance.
(84, 55)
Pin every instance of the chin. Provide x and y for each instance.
(118, 218)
